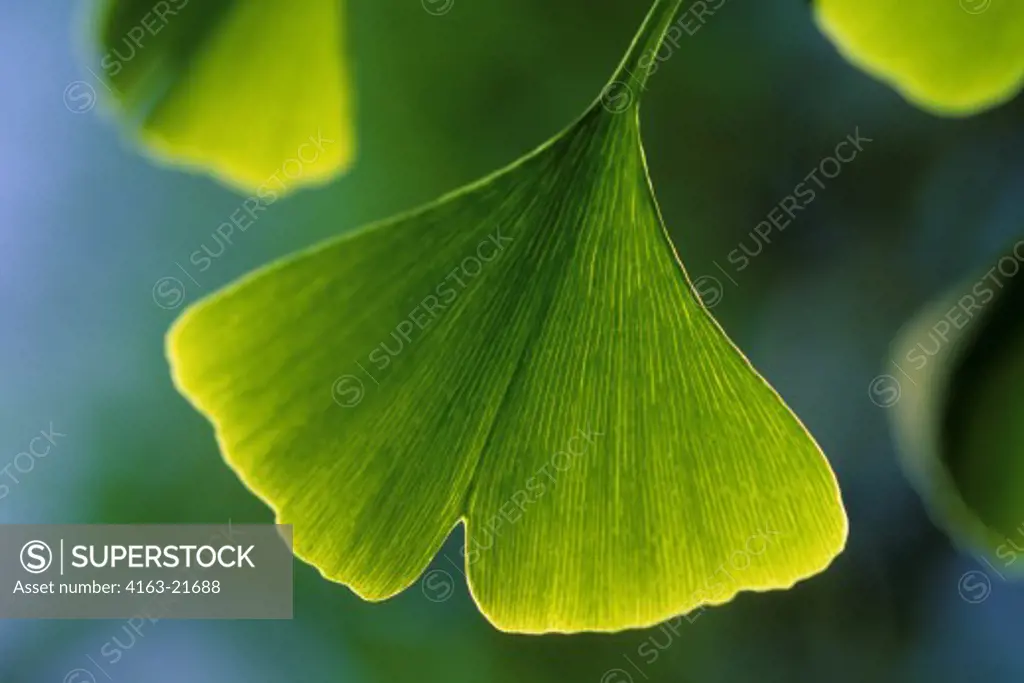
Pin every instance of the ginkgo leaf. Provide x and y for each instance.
(255, 92)
(953, 57)
(526, 356)
(960, 409)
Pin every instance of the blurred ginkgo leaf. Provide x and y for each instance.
(526, 356)
(234, 88)
(953, 57)
(960, 414)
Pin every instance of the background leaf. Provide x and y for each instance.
(961, 414)
(952, 57)
(233, 87)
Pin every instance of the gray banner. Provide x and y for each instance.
(153, 571)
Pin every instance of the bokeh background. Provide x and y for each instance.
(733, 120)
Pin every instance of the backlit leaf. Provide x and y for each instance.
(233, 87)
(953, 57)
(526, 356)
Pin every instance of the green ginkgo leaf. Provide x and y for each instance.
(959, 409)
(254, 91)
(525, 356)
(953, 57)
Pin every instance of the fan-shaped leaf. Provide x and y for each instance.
(527, 356)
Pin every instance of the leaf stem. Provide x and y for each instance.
(641, 59)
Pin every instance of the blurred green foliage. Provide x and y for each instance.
(233, 88)
(951, 57)
(960, 418)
